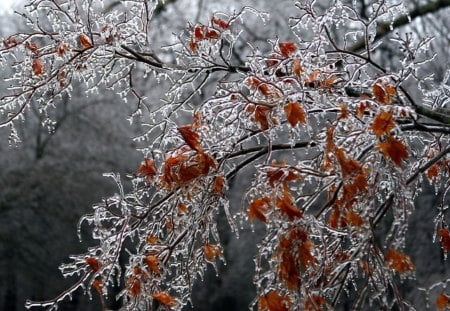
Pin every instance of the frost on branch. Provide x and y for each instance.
(336, 144)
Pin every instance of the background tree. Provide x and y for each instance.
(337, 143)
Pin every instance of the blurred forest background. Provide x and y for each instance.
(54, 175)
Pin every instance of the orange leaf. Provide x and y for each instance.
(85, 41)
(383, 92)
(442, 301)
(257, 208)
(348, 165)
(164, 298)
(273, 301)
(152, 239)
(444, 235)
(152, 262)
(182, 208)
(211, 251)
(38, 66)
(297, 68)
(395, 149)
(97, 284)
(287, 48)
(383, 123)
(295, 113)
(93, 263)
(147, 169)
(190, 137)
(399, 261)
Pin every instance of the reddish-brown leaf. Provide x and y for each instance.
(38, 66)
(134, 286)
(148, 169)
(93, 263)
(32, 46)
(273, 301)
(383, 123)
(62, 48)
(433, 172)
(258, 208)
(295, 113)
(219, 182)
(297, 68)
(152, 262)
(383, 92)
(394, 149)
(287, 206)
(444, 235)
(261, 116)
(98, 285)
(287, 48)
(220, 22)
(288, 270)
(280, 174)
(344, 111)
(353, 219)
(399, 261)
(182, 208)
(85, 41)
(442, 301)
(211, 252)
(164, 298)
(361, 108)
(191, 138)
(348, 165)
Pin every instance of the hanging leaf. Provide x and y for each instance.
(191, 138)
(219, 182)
(444, 235)
(383, 123)
(85, 41)
(148, 169)
(257, 209)
(297, 68)
(295, 113)
(394, 149)
(62, 48)
(287, 206)
(152, 262)
(211, 252)
(38, 66)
